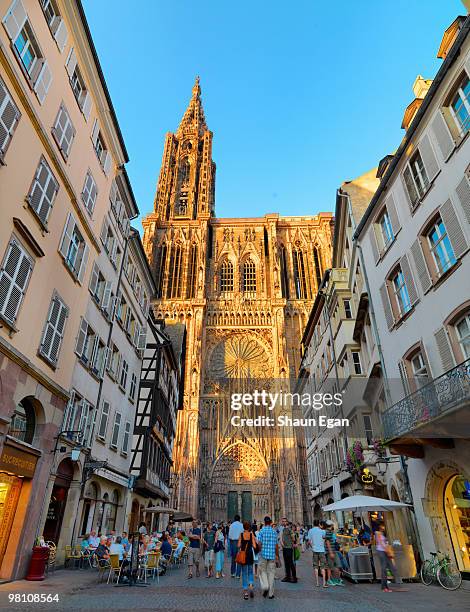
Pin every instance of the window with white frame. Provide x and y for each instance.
(123, 374)
(114, 359)
(100, 288)
(63, 131)
(89, 192)
(459, 105)
(462, 327)
(43, 191)
(386, 231)
(79, 418)
(73, 248)
(15, 273)
(27, 48)
(55, 22)
(85, 342)
(133, 387)
(104, 417)
(440, 246)
(356, 359)
(101, 150)
(78, 85)
(400, 292)
(125, 438)
(369, 432)
(347, 309)
(116, 430)
(54, 330)
(99, 357)
(419, 368)
(9, 117)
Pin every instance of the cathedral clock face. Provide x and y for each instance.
(239, 357)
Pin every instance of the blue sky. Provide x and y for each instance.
(300, 96)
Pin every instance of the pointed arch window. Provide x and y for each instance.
(184, 171)
(317, 262)
(249, 276)
(192, 272)
(284, 276)
(226, 276)
(300, 278)
(174, 273)
(161, 263)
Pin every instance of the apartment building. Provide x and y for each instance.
(415, 238)
(63, 192)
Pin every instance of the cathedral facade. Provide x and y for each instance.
(244, 288)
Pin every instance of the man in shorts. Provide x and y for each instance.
(316, 539)
(332, 556)
(194, 550)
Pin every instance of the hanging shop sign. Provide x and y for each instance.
(18, 461)
(366, 476)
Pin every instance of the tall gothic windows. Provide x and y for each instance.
(184, 171)
(174, 273)
(160, 269)
(181, 207)
(284, 276)
(249, 276)
(192, 272)
(300, 279)
(226, 276)
(318, 269)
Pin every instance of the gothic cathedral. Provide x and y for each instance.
(244, 288)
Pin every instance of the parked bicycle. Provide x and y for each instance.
(441, 568)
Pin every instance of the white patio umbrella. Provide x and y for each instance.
(364, 503)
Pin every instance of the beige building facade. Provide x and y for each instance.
(244, 288)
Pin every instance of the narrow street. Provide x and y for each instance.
(79, 590)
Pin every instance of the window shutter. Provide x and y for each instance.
(83, 263)
(86, 105)
(104, 419)
(463, 193)
(113, 193)
(67, 140)
(420, 265)
(54, 330)
(71, 62)
(106, 296)
(410, 284)
(443, 136)
(126, 226)
(43, 191)
(9, 116)
(94, 278)
(43, 82)
(409, 186)
(454, 229)
(15, 19)
(81, 338)
(67, 235)
(373, 243)
(14, 277)
(60, 124)
(428, 157)
(142, 339)
(404, 377)
(95, 132)
(445, 349)
(104, 230)
(392, 214)
(107, 163)
(89, 192)
(386, 304)
(61, 35)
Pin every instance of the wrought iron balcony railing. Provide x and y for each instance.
(430, 401)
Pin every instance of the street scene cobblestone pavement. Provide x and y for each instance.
(79, 590)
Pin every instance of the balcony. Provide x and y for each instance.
(433, 415)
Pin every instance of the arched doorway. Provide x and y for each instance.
(60, 490)
(457, 512)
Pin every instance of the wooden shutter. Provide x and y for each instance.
(420, 265)
(410, 188)
(106, 296)
(142, 342)
(9, 116)
(89, 192)
(95, 132)
(442, 134)
(68, 136)
(94, 278)
(107, 163)
(67, 235)
(43, 82)
(428, 157)
(104, 419)
(81, 338)
(126, 228)
(43, 191)
(83, 262)
(404, 377)
(373, 243)
(86, 105)
(392, 214)
(104, 230)
(445, 350)
(410, 284)
(15, 19)
(463, 193)
(386, 305)
(61, 35)
(71, 62)
(54, 330)
(454, 229)
(14, 277)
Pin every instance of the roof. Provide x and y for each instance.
(102, 79)
(360, 191)
(452, 55)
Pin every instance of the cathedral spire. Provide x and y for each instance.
(193, 122)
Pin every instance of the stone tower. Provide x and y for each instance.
(244, 288)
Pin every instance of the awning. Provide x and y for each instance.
(364, 503)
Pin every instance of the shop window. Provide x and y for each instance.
(23, 422)
(457, 510)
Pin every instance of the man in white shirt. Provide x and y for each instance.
(93, 539)
(316, 538)
(235, 531)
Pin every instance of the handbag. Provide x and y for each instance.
(296, 554)
(241, 557)
(218, 546)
